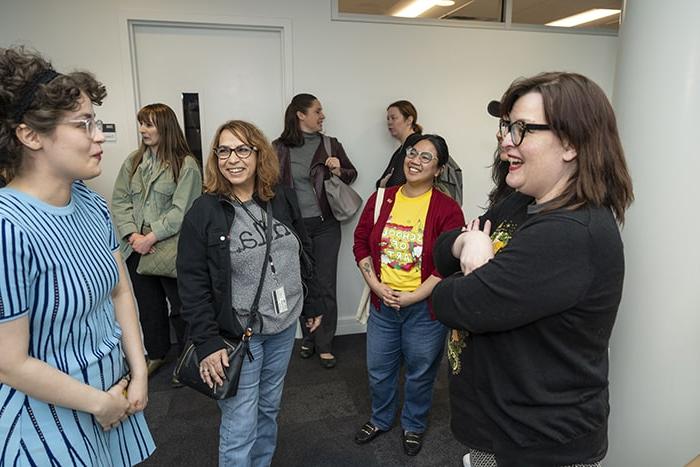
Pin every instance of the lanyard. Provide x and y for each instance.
(260, 223)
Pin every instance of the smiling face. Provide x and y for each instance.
(541, 166)
(311, 121)
(399, 126)
(418, 172)
(70, 153)
(239, 172)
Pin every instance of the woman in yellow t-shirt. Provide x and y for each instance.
(395, 258)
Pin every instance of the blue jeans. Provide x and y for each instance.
(248, 431)
(408, 333)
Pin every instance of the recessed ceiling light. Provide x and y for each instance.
(583, 18)
(418, 7)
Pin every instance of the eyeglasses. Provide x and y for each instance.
(425, 157)
(242, 151)
(518, 129)
(91, 125)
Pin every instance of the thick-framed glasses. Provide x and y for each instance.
(425, 157)
(518, 129)
(91, 125)
(243, 151)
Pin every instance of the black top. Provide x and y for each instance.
(204, 267)
(396, 163)
(540, 315)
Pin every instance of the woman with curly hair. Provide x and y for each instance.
(67, 316)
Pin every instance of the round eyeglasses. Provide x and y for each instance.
(518, 129)
(243, 151)
(91, 125)
(425, 157)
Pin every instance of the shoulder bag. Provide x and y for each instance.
(343, 200)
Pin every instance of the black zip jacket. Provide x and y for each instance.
(204, 267)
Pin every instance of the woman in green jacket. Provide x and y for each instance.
(155, 187)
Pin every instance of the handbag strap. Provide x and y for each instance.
(248, 331)
(378, 203)
(326, 144)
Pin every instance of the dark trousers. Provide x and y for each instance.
(325, 237)
(152, 296)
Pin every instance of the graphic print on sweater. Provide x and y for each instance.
(499, 239)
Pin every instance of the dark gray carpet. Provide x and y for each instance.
(321, 410)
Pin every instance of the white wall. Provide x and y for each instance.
(356, 69)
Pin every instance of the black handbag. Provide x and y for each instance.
(187, 368)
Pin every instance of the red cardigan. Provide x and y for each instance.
(444, 214)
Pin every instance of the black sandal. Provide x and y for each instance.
(367, 433)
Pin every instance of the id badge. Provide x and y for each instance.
(280, 300)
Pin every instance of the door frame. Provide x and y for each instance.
(129, 19)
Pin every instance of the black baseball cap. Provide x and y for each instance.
(494, 109)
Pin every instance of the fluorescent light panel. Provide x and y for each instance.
(418, 7)
(583, 18)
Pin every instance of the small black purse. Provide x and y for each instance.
(187, 368)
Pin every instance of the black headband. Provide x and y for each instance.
(27, 96)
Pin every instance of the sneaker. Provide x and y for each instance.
(367, 433)
(467, 460)
(412, 442)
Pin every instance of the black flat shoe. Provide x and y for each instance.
(367, 433)
(328, 363)
(412, 442)
(306, 351)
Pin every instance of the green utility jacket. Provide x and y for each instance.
(158, 204)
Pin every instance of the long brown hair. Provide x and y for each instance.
(292, 135)
(267, 167)
(580, 114)
(172, 148)
(407, 109)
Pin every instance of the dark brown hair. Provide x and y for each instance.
(172, 146)
(580, 115)
(292, 135)
(18, 68)
(267, 167)
(407, 109)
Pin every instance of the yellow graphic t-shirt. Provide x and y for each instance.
(402, 242)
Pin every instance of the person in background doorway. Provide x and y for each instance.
(402, 123)
(395, 258)
(304, 165)
(154, 189)
(69, 335)
(540, 312)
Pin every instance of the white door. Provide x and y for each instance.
(237, 73)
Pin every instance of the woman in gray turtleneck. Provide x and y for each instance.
(304, 164)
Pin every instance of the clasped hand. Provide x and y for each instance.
(473, 247)
(143, 244)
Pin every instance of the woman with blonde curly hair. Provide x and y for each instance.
(220, 256)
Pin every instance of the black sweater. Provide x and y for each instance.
(204, 267)
(540, 315)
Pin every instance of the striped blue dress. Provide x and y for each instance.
(57, 269)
